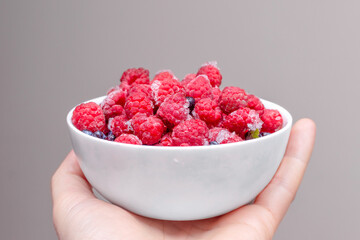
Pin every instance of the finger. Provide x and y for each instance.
(280, 192)
(69, 185)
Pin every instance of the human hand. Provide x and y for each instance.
(78, 214)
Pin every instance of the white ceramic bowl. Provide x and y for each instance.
(180, 183)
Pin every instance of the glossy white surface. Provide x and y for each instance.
(180, 183)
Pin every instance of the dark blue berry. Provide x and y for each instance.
(263, 134)
(99, 134)
(213, 143)
(111, 136)
(191, 102)
(88, 132)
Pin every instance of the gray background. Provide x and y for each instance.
(303, 55)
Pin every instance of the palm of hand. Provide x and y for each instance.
(95, 219)
(79, 215)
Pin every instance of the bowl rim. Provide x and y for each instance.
(287, 118)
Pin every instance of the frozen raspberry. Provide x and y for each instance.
(199, 88)
(166, 140)
(128, 138)
(135, 75)
(140, 88)
(89, 116)
(242, 121)
(164, 74)
(193, 132)
(138, 103)
(119, 125)
(222, 136)
(272, 119)
(148, 129)
(174, 110)
(165, 88)
(187, 79)
(254, 102)
(211, 70)
(112, 104)
(207, 110)
(232, 98)
(216, 93)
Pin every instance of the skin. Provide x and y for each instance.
(78, 214)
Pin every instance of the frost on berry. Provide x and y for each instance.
(254, 122)
(155, 90)
(222, 136)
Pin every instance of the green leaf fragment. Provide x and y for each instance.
(255, 134)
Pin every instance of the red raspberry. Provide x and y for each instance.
(148, 129)
(207, 110)
(174, 110)
(89, 116)
(216, 92)
(222, 136)
(211, 70)
(128, 138)
(164, 74)
(199, 88)
(135, 75)
(193, 132)
(166, 140)
(119, 125)
(242, 121)
(112, 104)
(140, 88)
(232, 98)
(272, 119)
(254, 102)
(165, 88)
(138, 103)
(187, 79)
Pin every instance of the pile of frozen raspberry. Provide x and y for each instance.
(164, 111)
